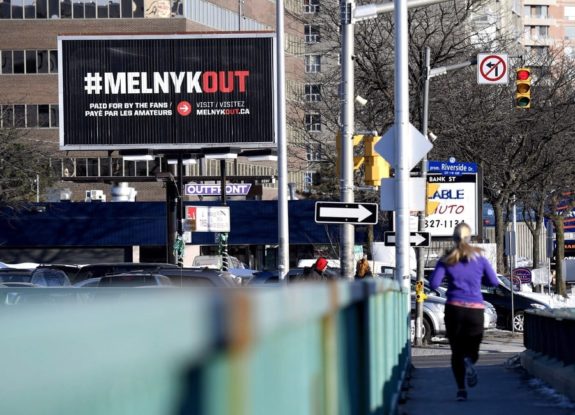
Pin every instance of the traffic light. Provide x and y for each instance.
(376, 168)
(523, 88)
(357, 160)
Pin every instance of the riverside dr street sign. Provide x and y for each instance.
(415, 238)
(342, 212)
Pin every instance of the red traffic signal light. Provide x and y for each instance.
(523, 88)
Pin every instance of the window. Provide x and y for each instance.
(29, 61)
(32, 116)
(569, 32)
(536, 32)
(309, 178)
(6, 61)
(311, 34)
(19, 116)
(313, 92)
(313, 122)
(314, 152)
(18, 61)
(29, 116)
(569, 12)
(536, 12)
(312, 63)
(310, 6)
(7, 116)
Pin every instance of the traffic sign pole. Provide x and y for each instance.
(402, 145)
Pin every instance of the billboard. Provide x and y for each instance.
(167, 91)
(450, 201)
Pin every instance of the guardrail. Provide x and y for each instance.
(551, 332)
(548, 337)
(337, 348)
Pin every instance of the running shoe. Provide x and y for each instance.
(470, 373)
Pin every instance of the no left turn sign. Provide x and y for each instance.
(492, 68)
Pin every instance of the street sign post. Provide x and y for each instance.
(341, 212)
(419, 239)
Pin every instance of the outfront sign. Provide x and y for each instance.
(233, 189)
(342, 212)
(166, 91)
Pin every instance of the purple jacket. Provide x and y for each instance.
(464, 279)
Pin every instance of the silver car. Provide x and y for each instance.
(434, 312)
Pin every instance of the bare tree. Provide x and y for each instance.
(22, 160)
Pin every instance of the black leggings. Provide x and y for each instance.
(464, 328)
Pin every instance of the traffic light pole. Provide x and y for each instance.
(421, 216)
(347, 237)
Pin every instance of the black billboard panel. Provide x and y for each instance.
(167, 91)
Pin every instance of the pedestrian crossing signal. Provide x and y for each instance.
(523, 88)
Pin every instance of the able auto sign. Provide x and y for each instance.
(450, 201)
(166, 91)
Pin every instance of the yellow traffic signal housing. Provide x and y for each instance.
(376, 168)
(357, 160)
(420, 295)
(523, 88)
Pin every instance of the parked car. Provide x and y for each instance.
(434, 309)
(70, 270)
(184, 277)
(134, 279)
(16, 277)
(89, 283)
(215, 262)
(49, 277)
(272, 277)
(500, 297)
(100, 270)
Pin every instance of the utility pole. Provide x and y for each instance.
(421, 214)
(347, 236)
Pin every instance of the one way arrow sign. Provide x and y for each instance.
(415, 238)
(342, 212)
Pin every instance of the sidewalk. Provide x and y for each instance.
(504, 388)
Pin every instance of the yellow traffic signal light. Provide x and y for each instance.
(376, 168)
(357, 160)
(523, 88)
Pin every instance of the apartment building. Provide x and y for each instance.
(548, 24)
(29, 72)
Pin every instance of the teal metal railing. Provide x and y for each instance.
(337, 348)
